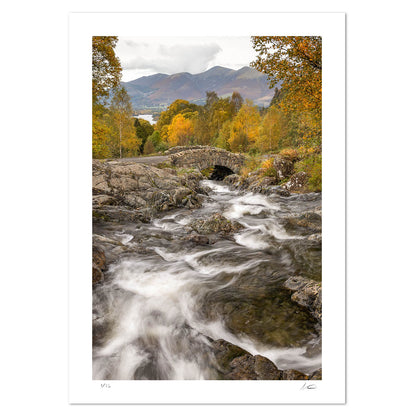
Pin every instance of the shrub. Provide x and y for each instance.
(312, 166)
(290, 154)
(252, 163)
(148, 148)
(254, 151)
(269, 169)
(304, 151)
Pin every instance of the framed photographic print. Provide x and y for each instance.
(207, 208)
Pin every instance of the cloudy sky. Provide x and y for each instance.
(169, 55)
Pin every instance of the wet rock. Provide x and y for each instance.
(232, 179)
(256, 182)
(306, 293)
(260, 310)
(309, 222)
(293, 375)
(98, 264)
(315, 237)
(235, 363)
(100, 328)
(317, 375)
(198, 239)
(216, 224)
(314, 348)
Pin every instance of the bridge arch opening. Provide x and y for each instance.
(220, 172)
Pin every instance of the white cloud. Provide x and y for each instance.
(173, 59)
(169, 55)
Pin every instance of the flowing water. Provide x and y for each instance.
(166, 298)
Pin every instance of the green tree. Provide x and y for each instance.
(143, 130)
(148, 148)
(157, 141)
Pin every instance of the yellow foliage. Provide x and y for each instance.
(273, 130)
(180, 131)
(267, 164)
(244, 129)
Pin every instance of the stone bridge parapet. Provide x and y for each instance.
(205, 157)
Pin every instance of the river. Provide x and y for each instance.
(148, 117)
(162, 304)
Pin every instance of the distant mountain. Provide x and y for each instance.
(160, 90)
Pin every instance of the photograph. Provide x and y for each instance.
(207, 207)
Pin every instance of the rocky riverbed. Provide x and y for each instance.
(197, 279)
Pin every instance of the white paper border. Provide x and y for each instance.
(331, 26)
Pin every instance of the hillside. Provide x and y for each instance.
(162, 89)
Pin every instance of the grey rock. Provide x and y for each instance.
(128, 190)
(306, 293)
(215, 224)
(298, 183)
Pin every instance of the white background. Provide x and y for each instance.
(331, 389)
(380, 208)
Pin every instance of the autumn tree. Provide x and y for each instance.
(236, 102)
(211, 98)
(273, 131)
(106, 67)
(244, 129)
(100, 134)
(223, 139)
(123, 131)
(297, 62)
(177, 107)
(180, 131)
(211, 118)
(106, 75)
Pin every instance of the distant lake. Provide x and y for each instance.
(147, 117)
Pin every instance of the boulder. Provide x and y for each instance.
(298, 183)
(197, 239)
(257, 182)
(143, 190)
(306, 293)
(216, 224)
(284, 167)
(98, 264)
(235, 363)
(308, 223)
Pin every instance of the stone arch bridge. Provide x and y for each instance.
(203, 157)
